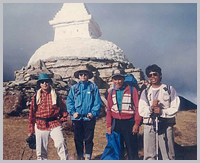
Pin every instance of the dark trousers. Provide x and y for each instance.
(84, 131)
(124, 128)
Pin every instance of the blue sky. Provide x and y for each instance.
(161, 33)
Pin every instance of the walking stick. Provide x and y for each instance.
(156, 137)
(23, 151)
(31, 141)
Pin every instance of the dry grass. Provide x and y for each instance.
(187, 128)
(15, 133)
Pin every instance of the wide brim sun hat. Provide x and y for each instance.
(83, 68)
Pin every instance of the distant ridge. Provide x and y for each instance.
(186, 104)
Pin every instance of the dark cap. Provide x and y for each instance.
(118, 72)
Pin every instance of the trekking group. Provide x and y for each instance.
(155, 107)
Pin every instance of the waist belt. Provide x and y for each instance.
(47, 119)
(148, 121)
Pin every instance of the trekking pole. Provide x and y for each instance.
(31, 155)
(156, 137)
(23, 151)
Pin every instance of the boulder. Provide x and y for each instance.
(12, 103)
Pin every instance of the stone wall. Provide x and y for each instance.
(62, 73)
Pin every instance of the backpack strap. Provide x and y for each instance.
(111, 93)
(57, 100)
(76, 88)
(92, 88)
(35, 104)
(131, 92)
(167, 88)
(112, 90)
(146, 94)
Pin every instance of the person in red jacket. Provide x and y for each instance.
(122, 115)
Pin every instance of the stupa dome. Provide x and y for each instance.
(76, 35)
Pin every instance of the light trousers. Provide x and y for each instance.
(42, 140)
(165, 139)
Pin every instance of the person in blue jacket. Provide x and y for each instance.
(83, 104)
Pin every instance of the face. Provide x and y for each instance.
(118, 81)
(45, 85)
(83, 76)
(154, 78)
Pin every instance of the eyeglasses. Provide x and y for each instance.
(83, 73)
(153, 74)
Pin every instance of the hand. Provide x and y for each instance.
(135, 128)
(109, 130)
(75, 115)
(29, 134)
(89, 115)
(63, 119)
(155, 103)
(157, 110)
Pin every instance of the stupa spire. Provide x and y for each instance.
(74, 20)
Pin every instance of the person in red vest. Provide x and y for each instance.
(122, 114)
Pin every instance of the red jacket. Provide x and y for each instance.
(127, 111)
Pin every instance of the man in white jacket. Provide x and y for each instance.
(158, 100)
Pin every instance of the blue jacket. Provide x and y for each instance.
(84, 98)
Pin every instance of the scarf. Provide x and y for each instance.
(53, 96)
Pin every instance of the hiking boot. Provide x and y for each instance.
(81, 158)
(87, 158)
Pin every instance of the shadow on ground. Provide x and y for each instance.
(186, 152)
(181, 152)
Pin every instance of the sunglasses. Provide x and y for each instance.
(44, 81)
(118, 77)
(83, 73)
(153, 74)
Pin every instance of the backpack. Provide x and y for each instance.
(132, 82)
(76, 89)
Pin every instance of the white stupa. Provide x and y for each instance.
(76, 35)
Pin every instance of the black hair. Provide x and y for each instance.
(154, 68)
